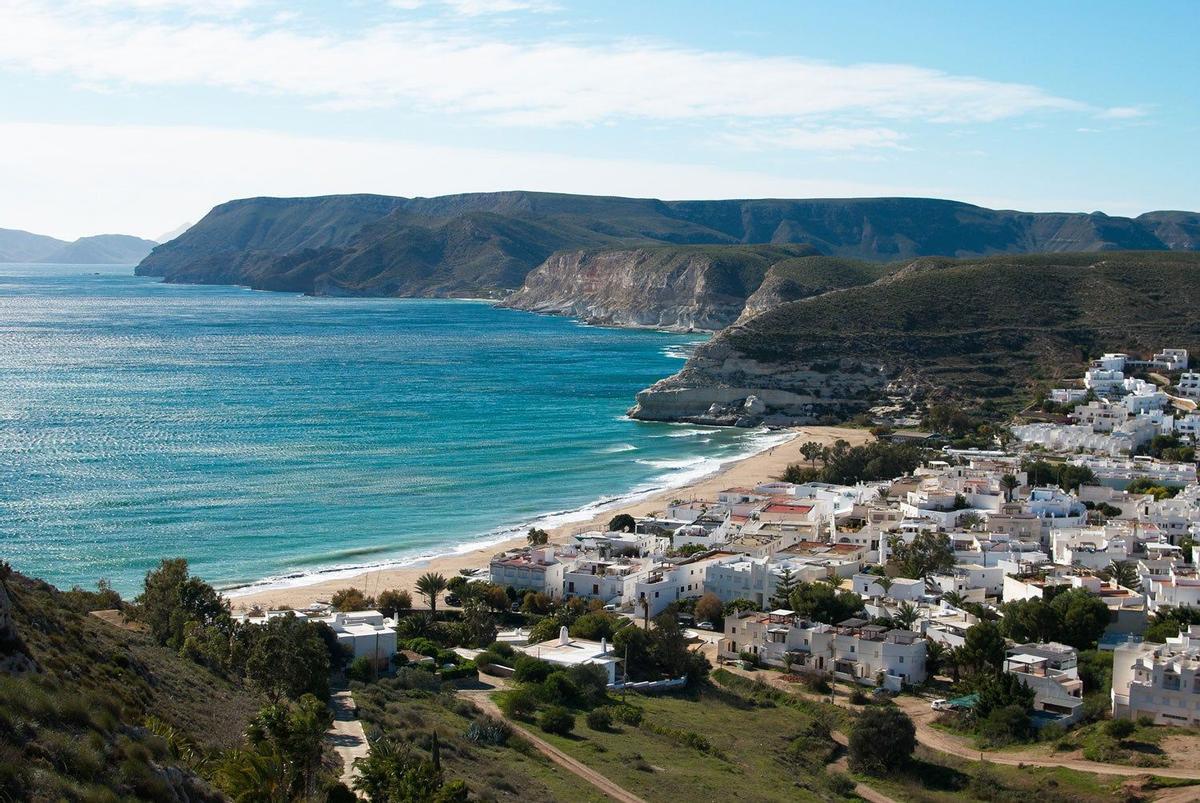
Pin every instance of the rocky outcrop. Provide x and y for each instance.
(720, 385)
(680, 288)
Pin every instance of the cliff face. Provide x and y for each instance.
(486, 243)
(978, 333)
(682, 288)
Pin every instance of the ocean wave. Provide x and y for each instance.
(682, 472)
(620, 447)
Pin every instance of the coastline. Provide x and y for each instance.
(751, 470)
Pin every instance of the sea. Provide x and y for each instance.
(274, 439)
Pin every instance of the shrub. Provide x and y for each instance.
(558, 689)
(1120, 728)
(361, 670)
(489, 731)
(517, 703)
(841, 784)
(444, 657)
(466, 669)
(422, 646)
(486, 660)
(858, 698)
(528, 669)
(882, 741)
(627, 715)
(748, 657)
(1006, 725)
(502, 649)
(557, 719)
(818, 684)
(1145, 720)
(599, 719)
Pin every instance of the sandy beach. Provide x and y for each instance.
(748, 471)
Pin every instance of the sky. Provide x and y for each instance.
(136, 116)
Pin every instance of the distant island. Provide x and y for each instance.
(101, 249)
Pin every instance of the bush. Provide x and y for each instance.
(486, 660)
(489, 731)
(858, 698)
(444, 657)
(361, 670)
(1120, 728)
(517, 703)
(748, 657)
(1145, 720)
(422, 646)
(528, 669)
(882, 741)
(841, 784)
(627, 715)
(557, 719)
(466, 669)
(599, 719)
(558, 689)
(1006, 725)
(502, 649)
(818, 684)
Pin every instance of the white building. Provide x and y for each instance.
(1189, 384)
(1050, 670)
(1161, 681)
(567, 652)
(1172, 359)
(540, 570)
(853, 650)
(899, 589)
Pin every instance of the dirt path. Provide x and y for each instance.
(346, 735)
(920, 713)
(485, 703)
(935, 739)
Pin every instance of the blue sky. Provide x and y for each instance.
(138, 115)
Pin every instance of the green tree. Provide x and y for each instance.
(984, 647)
(394, 773)
(906, 616)
(821, 602)
(622, 523)
(1124, 573)
(1009, 484)
(295, 732)
(287, 657)
(171, 599)
(882, 741)
(1084, 617)
(430, 586)
(997, 689)
(394, 601)
(928, 553)
(785, 584)
(537, 537)
(1031, 620)
(812, 451)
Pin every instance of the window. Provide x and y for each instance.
(901, 659)
(571, 586)
(595, 589)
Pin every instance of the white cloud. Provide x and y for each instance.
(548, 83)
(146, 179)
(1123, 113)
(834, 139)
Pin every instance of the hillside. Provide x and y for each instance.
(487, 243)
(101, 249)
(75, 693)
(972, 330)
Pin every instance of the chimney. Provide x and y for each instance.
(603, 646)
(563, 638)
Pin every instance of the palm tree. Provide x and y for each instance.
(1009, 483)
(954, 598)
(907, 615)
(1124, 573)
(248, 776)
(537, 537)
(935, 656)
(954, 658)
(645, 603)
(885, 583)
(430, 586)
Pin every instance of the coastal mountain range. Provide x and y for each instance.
(823, 306)
(101, 249)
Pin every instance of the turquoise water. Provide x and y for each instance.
(272, 436)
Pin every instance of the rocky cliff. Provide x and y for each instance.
(682, 288)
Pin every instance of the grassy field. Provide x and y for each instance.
(514, 771)
(757, 750)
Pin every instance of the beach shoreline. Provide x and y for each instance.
(751, 470)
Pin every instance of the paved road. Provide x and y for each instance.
(346, 735)
(482, 699)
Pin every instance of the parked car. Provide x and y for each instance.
(452, 599)
(705, 625)
(941, 705)
(610, 607)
